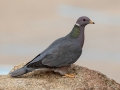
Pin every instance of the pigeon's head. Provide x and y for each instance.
(82, 21)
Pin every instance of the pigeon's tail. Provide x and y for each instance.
(19, 72)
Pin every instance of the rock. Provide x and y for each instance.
(85, 79)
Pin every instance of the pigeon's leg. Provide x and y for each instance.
(69, 75)
(63, 71)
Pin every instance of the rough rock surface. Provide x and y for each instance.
(85, 79)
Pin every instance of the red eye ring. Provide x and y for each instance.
(84, 19)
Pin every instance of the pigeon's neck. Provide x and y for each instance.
(75, 31)
(78, 33)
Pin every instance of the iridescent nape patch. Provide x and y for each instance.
(76, 31)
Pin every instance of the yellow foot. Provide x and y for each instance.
(69, 75)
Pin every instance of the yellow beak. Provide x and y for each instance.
(91, 22)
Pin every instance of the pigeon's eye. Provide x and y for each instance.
(84, 19)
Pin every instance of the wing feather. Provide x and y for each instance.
(61, 52)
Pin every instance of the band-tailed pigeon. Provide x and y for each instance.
(61, 53)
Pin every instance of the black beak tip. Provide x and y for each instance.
(93, 23)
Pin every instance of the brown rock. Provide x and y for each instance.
(85, 79)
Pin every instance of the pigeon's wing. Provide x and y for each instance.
(64, 54)
(61, 53)
(37, 60)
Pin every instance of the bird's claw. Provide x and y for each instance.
(69, 75)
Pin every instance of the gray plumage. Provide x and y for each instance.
(62, 52)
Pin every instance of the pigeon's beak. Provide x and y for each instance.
(91, 22)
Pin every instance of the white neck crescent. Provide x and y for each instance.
(77, 24)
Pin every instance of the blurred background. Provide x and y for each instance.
(27, 27)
